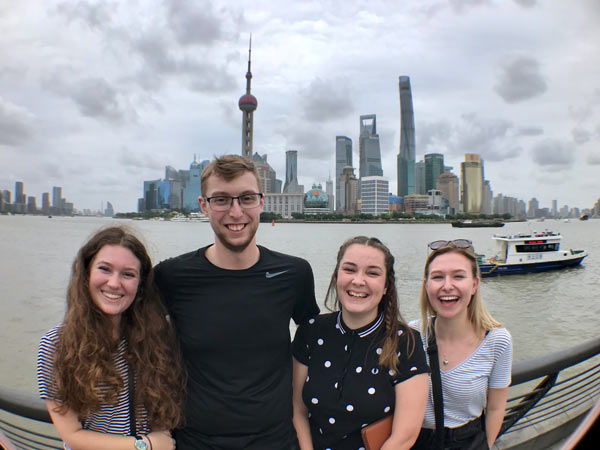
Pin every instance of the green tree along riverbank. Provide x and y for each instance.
(392, 217)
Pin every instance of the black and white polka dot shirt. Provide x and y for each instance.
(346, 388)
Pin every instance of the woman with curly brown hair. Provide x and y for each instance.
(360, 363)
(109, 372)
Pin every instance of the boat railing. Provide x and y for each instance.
(548, 397)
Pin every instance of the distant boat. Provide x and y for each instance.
(584, 217)
(525, 253)
(477, 223)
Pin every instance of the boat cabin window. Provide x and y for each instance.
(526, 248)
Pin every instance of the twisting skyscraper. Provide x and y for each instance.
(368, 147)
(406, 155)
(248, 105)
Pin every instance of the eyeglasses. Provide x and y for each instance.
(224, 202)
(460, 243)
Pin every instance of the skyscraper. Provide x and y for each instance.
(20, 196)
(471, 189)
(406, 155)
(343, 158)
(447, 183)
(374, 195)
(266, 174)
(291, 173)
(368, 145)
(419, 178)
(434, 167)
(248, 105)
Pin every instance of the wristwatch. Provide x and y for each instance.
(140, 444)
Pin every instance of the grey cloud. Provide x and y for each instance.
(529, 131)
(311, 142)
(136, 160)
(493, 139)
(95, 16)
(433, 136)
(326, 100)
(154, 51)
(580, 135)
(94, 97)
(461, 6)
(553, 155)
(520, 79)
(16, 124)
(193, 22)
(526, 3)
(593, 159)
(206, 77)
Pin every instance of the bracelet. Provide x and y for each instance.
(149, 441)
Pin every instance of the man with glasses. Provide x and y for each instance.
(231, 303)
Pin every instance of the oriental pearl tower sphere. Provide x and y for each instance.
(248, 105)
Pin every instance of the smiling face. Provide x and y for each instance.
(450, 284)
(235, 229)
(114, 280)
(361, 284)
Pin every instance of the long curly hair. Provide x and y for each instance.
(84, 360)
(388, 306)
(477, 313)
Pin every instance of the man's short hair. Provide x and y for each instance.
(228, 167)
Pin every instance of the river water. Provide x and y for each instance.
(544, 312)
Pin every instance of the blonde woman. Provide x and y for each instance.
(473, 350)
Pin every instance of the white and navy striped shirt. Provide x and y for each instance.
(465, 386)
(111, 419)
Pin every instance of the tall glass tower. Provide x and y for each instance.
(434, 167)
(369, 151)
(343, 158)
(406, 155)
(471, 177)
(291, 172)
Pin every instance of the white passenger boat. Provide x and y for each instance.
(525, 253)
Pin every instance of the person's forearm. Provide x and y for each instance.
(493, 423)
(400, 441)
(302, 430)
(91, 440)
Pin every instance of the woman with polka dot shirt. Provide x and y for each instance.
(361, 362)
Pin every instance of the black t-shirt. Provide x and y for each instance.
(233, 328)
(346, 388)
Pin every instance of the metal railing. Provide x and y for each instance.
(548, 397)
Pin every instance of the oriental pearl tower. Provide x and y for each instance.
(248, 105)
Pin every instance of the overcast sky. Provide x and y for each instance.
(97, 96)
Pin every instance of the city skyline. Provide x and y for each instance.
(119, 91)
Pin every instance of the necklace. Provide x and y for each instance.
(445, 361)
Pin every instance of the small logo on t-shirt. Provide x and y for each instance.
(274, 274)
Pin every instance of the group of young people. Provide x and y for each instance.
(195, 353)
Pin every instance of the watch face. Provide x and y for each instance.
(140, 445)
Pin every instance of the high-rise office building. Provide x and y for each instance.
(20, 197)
(46, 202)
(248, 105)
(56, 197)
(343, 158)
(329, 192)
(374, 195)
(434, 167)
(486, 198)
(471, 190)
(407, 152)
(447, 184)
(291, 185)
(266, 174)
(192, 186)
(348, 190)
(419, 174)
(368, 146)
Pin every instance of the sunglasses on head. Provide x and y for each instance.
(460, 243)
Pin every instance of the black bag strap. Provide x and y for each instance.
(131, 384)
(436, 386)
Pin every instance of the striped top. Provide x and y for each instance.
(465, 386)
(110, 418)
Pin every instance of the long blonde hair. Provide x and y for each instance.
(477, 313)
